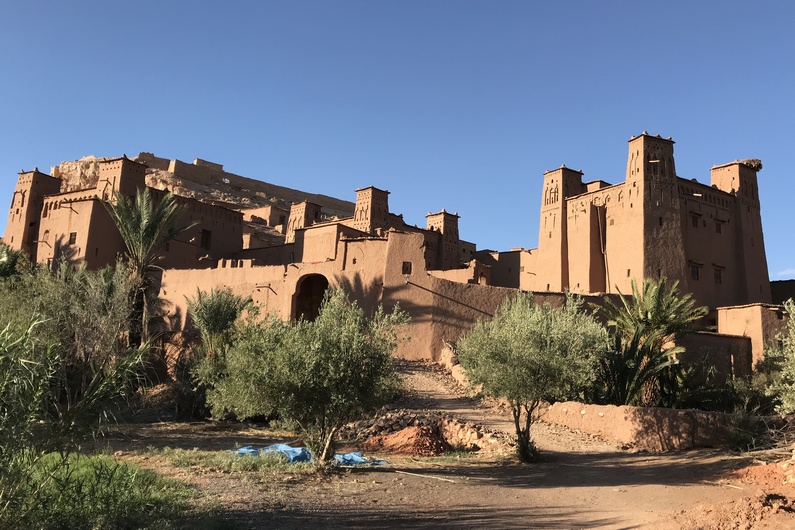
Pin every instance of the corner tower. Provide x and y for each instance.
(302, 214)
(24, 217)
(552, 272)
(447, 225)
(739, 178)
(120, 175)
(651, 171)
(372, 210)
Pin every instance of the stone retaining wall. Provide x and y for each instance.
(644, 428)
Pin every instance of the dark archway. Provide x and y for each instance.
(309, 296)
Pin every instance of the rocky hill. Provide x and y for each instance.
(205, 181)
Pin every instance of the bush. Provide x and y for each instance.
(629, 366)
(59, 377)
(639, 370)
(83, 317)
(529, 354)
(89, 492)
(320, 374)
(780, 366)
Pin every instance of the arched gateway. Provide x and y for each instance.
(308, 296)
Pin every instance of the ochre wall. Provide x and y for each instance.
(762, 323)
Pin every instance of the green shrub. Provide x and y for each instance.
(529, 354)
(320, 374)
(780, 366)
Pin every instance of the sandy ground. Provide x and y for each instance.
(582, 482)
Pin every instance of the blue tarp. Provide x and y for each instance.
(302, 454)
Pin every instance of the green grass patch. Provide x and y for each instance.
(88, 492)
(229, 462)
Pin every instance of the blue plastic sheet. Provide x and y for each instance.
(302, 454)
(356, 459)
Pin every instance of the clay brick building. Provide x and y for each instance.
(49, 223)
(595, 237)
(284, 251)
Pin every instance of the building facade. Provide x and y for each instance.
(595, 237)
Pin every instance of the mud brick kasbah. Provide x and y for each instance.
(284, 247)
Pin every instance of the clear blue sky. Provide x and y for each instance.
(448, 104)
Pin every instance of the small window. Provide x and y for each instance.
(694, 272)
(661, 221)
(72, 238)
(629, 272)
(694, 221)
(718, 227)
(206, 239)
(406, 267)
(718, 276)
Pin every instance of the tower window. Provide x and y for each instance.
(72, 238)
(206, 239)
(694, 221)
(694, 271)
(718, 227)
(406, 267)
(718, 276)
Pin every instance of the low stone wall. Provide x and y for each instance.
(650, 429)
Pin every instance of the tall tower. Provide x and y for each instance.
(120, 175)
(22, 230)
(447, 225)
(372, 209)
(302, 214)
(740, 179)
(552, 272)
(651, 169)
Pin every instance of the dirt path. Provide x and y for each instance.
(582, 483)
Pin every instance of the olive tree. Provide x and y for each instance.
(531, 353)
(320, 374)
(780, 362)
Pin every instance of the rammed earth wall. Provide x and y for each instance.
(646, 429)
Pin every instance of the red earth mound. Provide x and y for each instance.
(414, 441)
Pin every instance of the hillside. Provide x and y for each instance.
(205, 181)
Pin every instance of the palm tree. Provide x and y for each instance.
(214, 314)
(659, 311)
(653, 318)
(144, 226)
